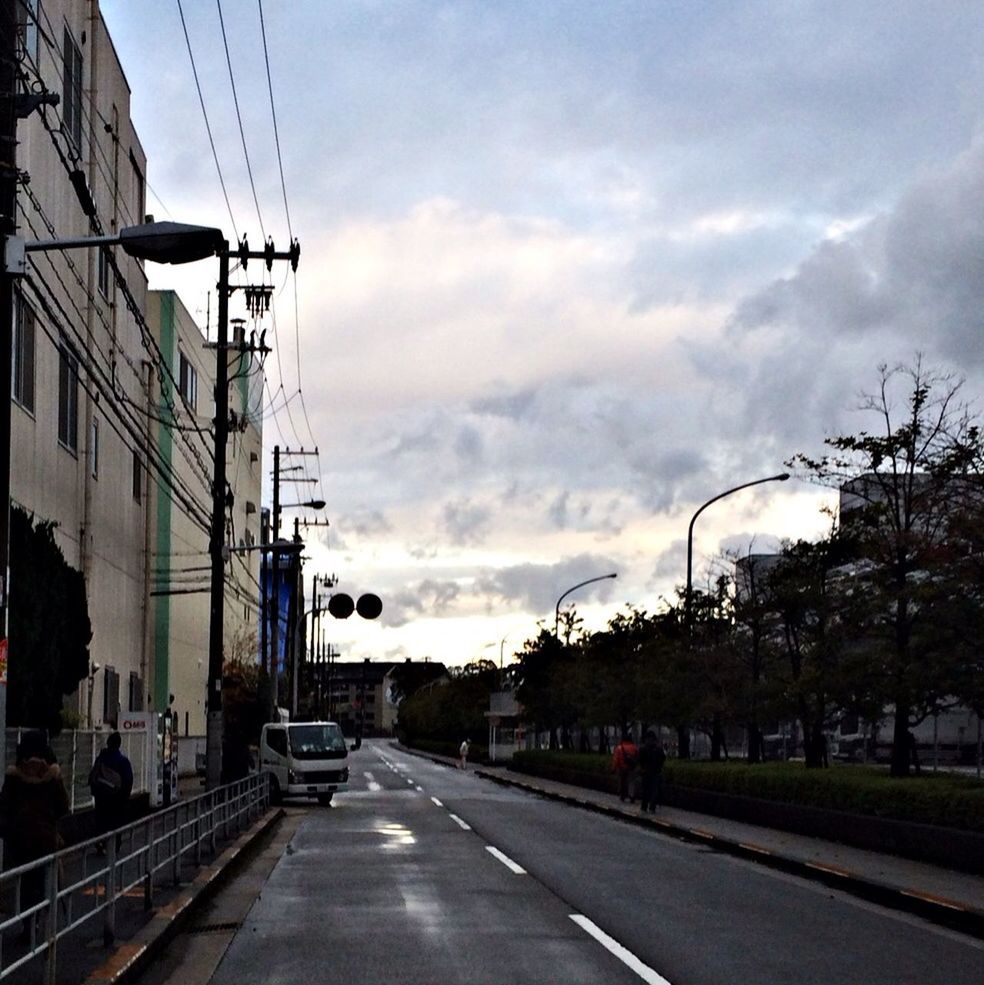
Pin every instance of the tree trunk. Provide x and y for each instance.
(755, 743)
(683, 742)
(901, 745)
(717, 737)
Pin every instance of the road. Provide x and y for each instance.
(424, 874)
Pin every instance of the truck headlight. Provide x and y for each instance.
(293, 777)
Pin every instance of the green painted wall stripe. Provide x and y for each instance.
(165, 444)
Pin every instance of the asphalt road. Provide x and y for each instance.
(424, 874)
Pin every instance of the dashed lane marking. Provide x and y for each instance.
(457, 820)
(436, 802)
(623, 954)
(505, 860)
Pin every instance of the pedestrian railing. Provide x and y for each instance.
(44, 901)
(75, 751)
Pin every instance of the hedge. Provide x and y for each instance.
(945, 799)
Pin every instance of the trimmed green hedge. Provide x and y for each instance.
(476, 754)
(945, 799)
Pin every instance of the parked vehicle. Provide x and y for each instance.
(307, 759)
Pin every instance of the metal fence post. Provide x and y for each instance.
(52, 923)
(109, 922)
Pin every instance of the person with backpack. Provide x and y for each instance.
(111, 781)
(651, 761)
(624, 763)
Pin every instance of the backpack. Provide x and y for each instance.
(104, 779)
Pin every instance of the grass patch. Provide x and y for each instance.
(945, 799)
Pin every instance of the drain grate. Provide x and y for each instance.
(215, 928)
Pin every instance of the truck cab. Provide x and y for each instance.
(307, 759)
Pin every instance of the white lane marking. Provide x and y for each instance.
(420, 789)
(373, 785)
(622, 953)
(505, 860)
(410, 781)
(461, 824)
(437, 803)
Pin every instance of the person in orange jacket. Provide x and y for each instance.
(624, 761)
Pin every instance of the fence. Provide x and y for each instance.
(76, 751)
(52, 897)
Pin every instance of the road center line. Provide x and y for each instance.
(437, 803)
(420, 789)
(461, 824)
(505, 860)
(622, 953)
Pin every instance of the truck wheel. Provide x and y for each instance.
(325, 798)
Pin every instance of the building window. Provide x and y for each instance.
(68, 398)
(137, 478)
(104, 273)
(94, 448)
(136, 692)
(111, 697)
(138, 179)
(71, 95)
(187, 381)
(23, 355)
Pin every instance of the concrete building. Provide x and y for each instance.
(112, 394)
(179, 624)
(82, 361)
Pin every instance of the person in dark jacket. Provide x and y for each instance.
(651, 760)
(111, 782)
(32, 802)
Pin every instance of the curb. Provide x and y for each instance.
(937, 909)
(130, 958)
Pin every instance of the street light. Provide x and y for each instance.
(160, 242)
(782, 477)
(574, 588)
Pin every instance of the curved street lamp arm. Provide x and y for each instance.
(781, 477)
(574, 588)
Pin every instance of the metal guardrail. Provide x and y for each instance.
(50, 898)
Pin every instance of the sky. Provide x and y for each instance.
(568, 270)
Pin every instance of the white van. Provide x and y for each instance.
(307, 759)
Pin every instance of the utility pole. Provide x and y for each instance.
(275, 589)
(217, 544)
(8, 226)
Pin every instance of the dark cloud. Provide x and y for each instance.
(512, 406)
(429, 598)
(465, 522)
(536, 587)
(369, 523)
(468, 445)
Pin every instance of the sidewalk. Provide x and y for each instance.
(942, 895)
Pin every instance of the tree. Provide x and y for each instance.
(50, 629)
(901, 488)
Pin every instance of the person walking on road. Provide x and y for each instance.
(32, 802)
(651, 760)
(463, 754)
(624, 763)
(111, 781)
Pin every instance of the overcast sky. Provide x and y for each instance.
(568, 270)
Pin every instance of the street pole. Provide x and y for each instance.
(216, 643)
(683, 731)
(574, 588)
(275, 591)
(8, 226)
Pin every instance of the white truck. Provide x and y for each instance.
(307, 759)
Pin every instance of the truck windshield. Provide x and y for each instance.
(316, 741)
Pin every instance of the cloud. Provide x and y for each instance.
(466, 522)
(537, 586)
(429, 597)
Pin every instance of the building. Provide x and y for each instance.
(80, 441)
(112, 393)
(180, 577)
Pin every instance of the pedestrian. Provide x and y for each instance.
(111, 780)
(651, 760)
(32, 802)
(624, 763)
(463, 754)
